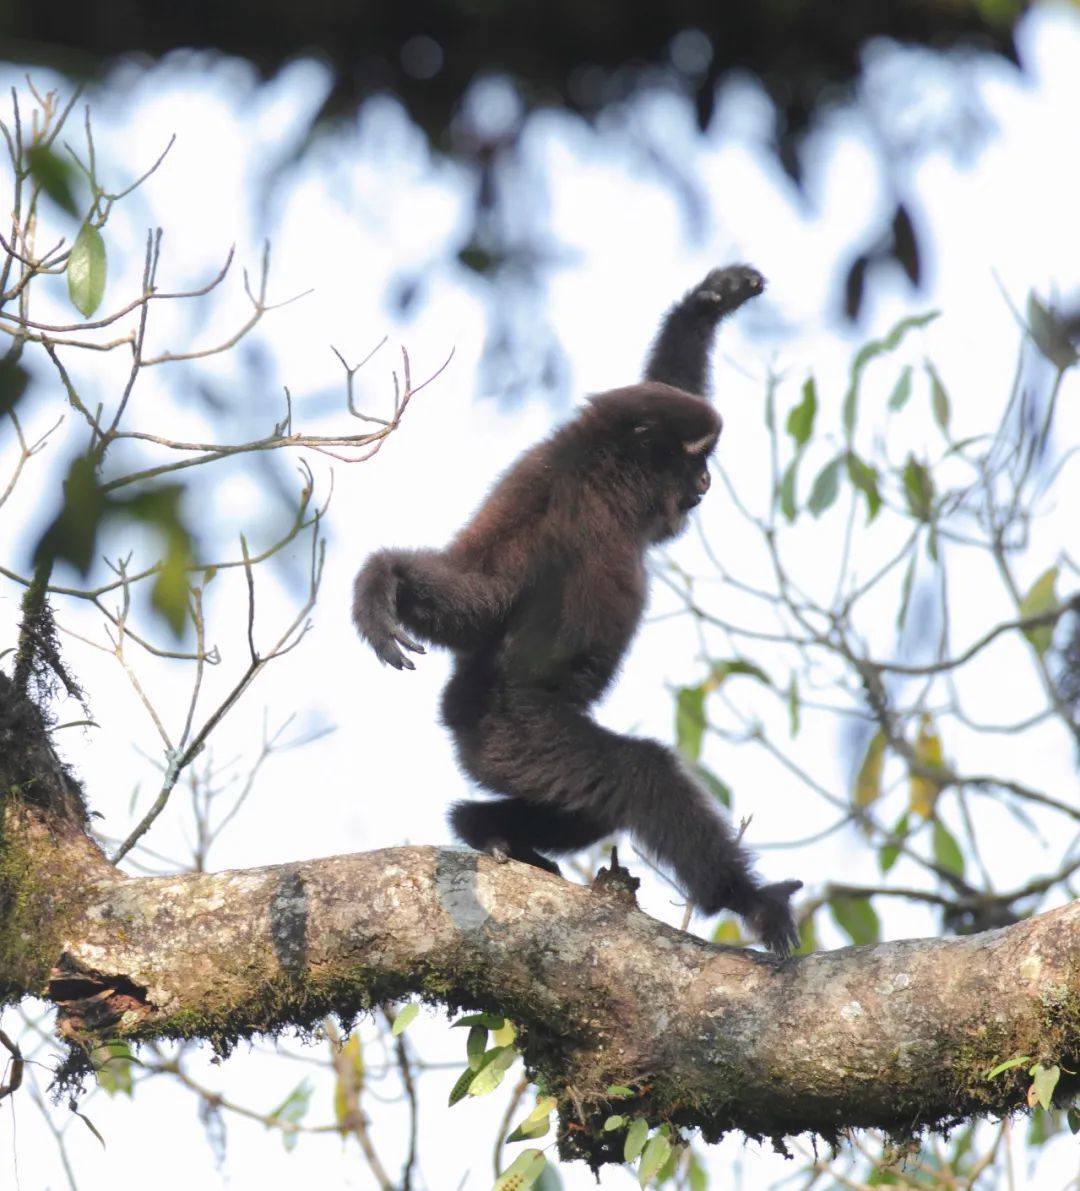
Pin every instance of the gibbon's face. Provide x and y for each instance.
(688, 480)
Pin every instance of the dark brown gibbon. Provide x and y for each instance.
(540, 595)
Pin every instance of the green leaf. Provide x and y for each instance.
(536, 1124)
(857, 918)
(1072, 1119)
(1050, 334)
(719, 672)
(788, 505)
(495, 1065)
(1041, 597)
(490, 1021)
(13, 382)
(865, 479)
(476, 1046)
(86, 270)
(720, 790)
(800, 422)
(825, 487)
(635, 1139)
(54, 174)
(461, 1087)
(690, 721)
(1044, 1081)
(292, 1111)
(793, 705)
(526, 1168)
(888, 854)
(698, 1180)
(618, 1091)
(898, 398)
(72, 534)
(112, 1067)
(918, 488)
(939, 399)
(655, 1154)
(868, 780)
(159, 507)
(947, 854)
(616, 1121)
(404, 1018)
(1008, 1065)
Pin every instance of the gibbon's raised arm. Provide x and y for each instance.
(680, 352)
(539, 597)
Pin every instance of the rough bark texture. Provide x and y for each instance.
(896, 1035)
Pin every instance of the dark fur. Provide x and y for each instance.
(539, 597)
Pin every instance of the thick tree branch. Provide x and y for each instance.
(896, 1036)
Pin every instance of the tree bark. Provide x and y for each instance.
(897, 1036)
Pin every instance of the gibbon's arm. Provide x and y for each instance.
(680, 352)
(426, 593)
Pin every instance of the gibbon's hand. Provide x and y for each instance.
(388, 639)
(728, 288)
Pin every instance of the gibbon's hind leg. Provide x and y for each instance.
(513, 829)
(547, 756)
(680, 353)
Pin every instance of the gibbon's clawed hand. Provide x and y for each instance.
(377, 617)
(539, 597)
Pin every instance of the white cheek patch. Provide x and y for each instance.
(700, 446)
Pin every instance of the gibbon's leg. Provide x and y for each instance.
(401, 592)
(513, 829)
(544, 754)
(680, 353)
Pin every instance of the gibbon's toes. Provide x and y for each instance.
(773, 920)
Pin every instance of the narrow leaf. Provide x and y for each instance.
(918, 488)
(1041, 597)
(690, 721)
(947, 854)
(868, 780)
(825, 487)
(939, 399)
(928, 754)
(865, 479)
(476, 1046)
(800, 422)
(526, 1168)
(788, 505)
(405, 1017)
(898, 398)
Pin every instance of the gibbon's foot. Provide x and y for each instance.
(728, 288)
(772, 920)
(501, 851)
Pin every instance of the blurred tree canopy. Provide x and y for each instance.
(578, 55)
